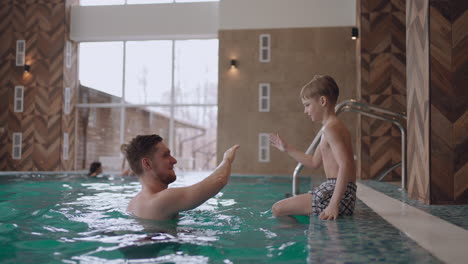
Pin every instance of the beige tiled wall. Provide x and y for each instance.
(296, 56)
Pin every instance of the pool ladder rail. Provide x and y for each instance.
(369, 110)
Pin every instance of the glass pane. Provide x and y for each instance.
(263, 154)
(90, 95)
(101, 2)
(264, 90)
(196, 71)
(19, 93)
(16, 139)
(265, 41)
(16, 152)
(264, 103)
(264, 54)
(19, 105)
(195, 137)
(148, 72)
(146, 121)
(98, 138)
(100, 66)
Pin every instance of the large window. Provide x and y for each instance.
(165, 87)
(148, 72)
(196, 71)
(100, 66)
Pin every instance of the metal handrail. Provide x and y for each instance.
(352, 102)
(367, 110)
(388, 170)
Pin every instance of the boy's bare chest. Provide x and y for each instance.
(326, 151)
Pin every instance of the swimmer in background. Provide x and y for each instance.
(95, 169)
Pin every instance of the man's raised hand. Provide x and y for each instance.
(230, 154)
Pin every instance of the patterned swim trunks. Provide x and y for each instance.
(322, 195)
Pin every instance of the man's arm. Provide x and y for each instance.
(173, 200)
(344, 159)
(311, 161)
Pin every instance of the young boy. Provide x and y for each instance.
(337, 195)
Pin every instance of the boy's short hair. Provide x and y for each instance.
(141, 146)
(321, 85)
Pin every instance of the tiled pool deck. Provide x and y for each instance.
(440, 238)
(362, 238)
(455, 214)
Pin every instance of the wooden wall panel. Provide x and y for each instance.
(44, 26)
(382, 81)
(437, 96)
(70, 79)
(448, 104)
(418, 98)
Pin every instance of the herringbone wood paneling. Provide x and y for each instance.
(417, 50)
(448, 101)
(45, 27)
(71, 81)
(382, 81)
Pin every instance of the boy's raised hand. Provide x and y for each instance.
(278, 142)
(230, 154)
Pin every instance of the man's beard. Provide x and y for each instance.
(168, 179)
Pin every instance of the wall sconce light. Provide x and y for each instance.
(27, 67)
(354, 33)
(233, 64)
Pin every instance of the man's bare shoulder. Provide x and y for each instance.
(151, 206)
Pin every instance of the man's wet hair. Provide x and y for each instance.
(141, 146)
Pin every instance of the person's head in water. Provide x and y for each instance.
(148, 155)
(95, 169)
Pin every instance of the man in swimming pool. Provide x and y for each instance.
(337, 195)
(152, 162)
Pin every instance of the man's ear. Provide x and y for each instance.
(145, 163)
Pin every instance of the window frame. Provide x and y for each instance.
(20, 52)
(18, 103)
(17, 143)
(262, 97)
(263, 137)
(263, 47)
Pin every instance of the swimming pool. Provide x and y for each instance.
(50, 219)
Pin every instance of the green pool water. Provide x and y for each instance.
(61, 220)
(72, 219)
